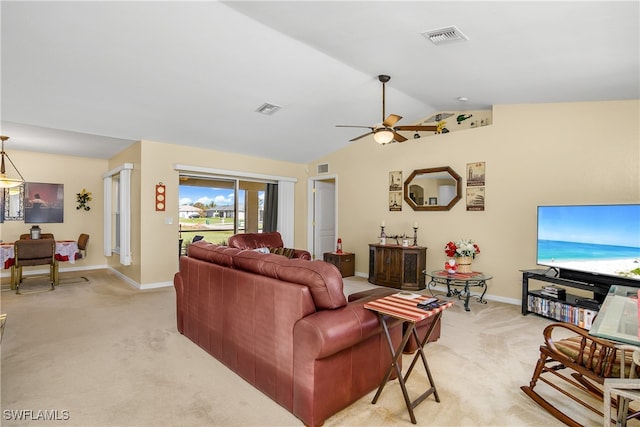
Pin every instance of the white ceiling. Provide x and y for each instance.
(89, 78)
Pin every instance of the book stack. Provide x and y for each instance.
(554, 292)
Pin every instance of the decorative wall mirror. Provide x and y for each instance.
(13, 205)
(433, 189)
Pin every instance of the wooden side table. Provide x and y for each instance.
(345, 262)
(405, 309)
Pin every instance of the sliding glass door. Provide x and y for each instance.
(214, 208)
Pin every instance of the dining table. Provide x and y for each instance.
(66, 251)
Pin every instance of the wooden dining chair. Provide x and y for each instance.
(35, 252)
(83, 240)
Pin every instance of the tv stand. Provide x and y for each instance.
(571, 308)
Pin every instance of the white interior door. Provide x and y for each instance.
(324, 217)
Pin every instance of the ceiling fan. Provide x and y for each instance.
(386, 132)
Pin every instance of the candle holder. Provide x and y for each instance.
(383, 236)
(415, 236)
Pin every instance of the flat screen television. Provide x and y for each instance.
(591, 243)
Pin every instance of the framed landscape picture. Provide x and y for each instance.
(43, 202)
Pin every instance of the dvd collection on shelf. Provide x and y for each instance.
(554, 292)
(538, 303)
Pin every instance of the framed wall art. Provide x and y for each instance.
(395, 191)
(476, 178)
(476, 174)
(12, 208)
(43, 202)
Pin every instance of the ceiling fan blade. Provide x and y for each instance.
(399, 137)
(354, 126)
(361, 136)
(416, 128)
(391, 120)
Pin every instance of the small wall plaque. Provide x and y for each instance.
(160, 197)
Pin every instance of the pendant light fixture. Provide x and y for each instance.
(5, 181)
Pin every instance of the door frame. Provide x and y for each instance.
(311, 207)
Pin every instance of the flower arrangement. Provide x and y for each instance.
(84, 197)
(462, 248)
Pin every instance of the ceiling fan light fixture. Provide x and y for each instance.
(383, 136)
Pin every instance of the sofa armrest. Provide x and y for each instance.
(301, 253)
(329, 331)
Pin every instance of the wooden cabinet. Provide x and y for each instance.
(344, 261)
(397, 266)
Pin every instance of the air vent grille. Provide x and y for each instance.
(323, 168)
(268, 109)
(445, 35)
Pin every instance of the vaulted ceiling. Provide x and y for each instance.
(89, 78)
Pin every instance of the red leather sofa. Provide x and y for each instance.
(284, 325)
(263, 240)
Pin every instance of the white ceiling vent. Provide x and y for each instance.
(268, 109)
(323, 168)
(444, 35)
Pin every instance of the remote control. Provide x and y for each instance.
(430, 306)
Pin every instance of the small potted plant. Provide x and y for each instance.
(83, 198)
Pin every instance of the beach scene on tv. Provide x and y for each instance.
(595, 239)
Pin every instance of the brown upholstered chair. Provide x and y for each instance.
(582, 362)
(83, 239)
(27, 236)
(35, 252)
(269, 240)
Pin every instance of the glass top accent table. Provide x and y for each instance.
(617, 319)
(464, 280)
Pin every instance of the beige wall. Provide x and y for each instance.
(75, 173)
(535, 154)
(156, 252)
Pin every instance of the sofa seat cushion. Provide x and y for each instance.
(323, 279)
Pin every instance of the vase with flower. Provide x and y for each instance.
(464, 251)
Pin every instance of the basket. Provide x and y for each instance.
(464, 264)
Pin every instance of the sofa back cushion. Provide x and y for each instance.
(323, 279)
(256, 240)
(221, 255)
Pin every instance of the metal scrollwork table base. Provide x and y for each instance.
(453, 281)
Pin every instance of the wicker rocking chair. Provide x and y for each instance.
(581, 361)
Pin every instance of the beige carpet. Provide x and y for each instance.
(101, 353)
